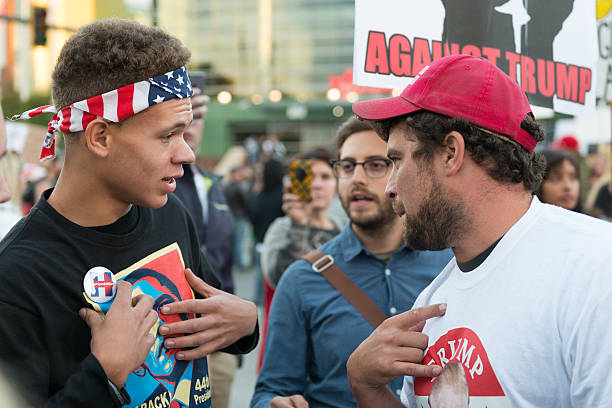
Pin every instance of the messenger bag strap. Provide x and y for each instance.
(325, 265)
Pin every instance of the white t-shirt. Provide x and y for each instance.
(532, 325)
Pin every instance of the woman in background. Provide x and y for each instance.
(561, 185)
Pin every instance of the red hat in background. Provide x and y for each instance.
(567, 143)
(461, 86)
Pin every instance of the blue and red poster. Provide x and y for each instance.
(163, 381)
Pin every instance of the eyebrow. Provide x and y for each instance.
(376, 156)
(179, 125)
(393, 152)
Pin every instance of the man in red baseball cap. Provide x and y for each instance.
(521, 306)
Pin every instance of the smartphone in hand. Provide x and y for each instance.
(300, 174)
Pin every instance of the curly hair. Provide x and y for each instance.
(110, 53)
(505, 160)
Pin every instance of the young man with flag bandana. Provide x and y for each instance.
(122, 95)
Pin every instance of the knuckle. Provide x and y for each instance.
(191, 326)
(413, 314)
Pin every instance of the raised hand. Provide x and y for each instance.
(395, 348)
(223, 319)
(294, 401)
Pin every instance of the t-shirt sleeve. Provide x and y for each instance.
(407, 395)
(25, 361)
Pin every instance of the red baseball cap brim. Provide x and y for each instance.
(385, 108)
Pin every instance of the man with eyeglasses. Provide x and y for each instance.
(312, 328)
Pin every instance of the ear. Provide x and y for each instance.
(453, 153)
(98, 135)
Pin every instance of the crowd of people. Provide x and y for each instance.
(441, 255)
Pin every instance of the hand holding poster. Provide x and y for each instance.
(548, 46)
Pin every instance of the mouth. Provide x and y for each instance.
(170, 180)
(359, 197)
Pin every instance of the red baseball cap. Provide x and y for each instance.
(567, 143)
(461, 86)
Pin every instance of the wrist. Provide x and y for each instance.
(116, 376)
(119, 395)
(250, 329)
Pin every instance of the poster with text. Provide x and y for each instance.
(548, 46)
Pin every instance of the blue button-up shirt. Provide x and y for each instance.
(313, 329)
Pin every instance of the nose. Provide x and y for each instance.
(391, 188)
(359, 176)
(567, 184)
(183, 153)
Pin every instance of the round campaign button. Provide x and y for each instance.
(100, 284)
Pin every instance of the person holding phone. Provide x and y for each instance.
(307, 224)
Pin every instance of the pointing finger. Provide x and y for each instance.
(418, 370)
(416, 317)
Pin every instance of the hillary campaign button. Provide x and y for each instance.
(100, 284)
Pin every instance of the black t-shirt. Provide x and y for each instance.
(45, 346)
(469, 266)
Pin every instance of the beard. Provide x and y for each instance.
(378, 222)
(438, 223)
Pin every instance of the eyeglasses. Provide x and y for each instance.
(373, 168)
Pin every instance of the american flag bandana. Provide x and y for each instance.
(113, 106)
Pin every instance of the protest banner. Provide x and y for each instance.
(548, 46)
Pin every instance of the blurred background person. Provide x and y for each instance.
(264, 207)
(272, 147)
(561, 184)
(8, 217)
(602, 208)
(201, 193)
(32, 192)
(236, 194)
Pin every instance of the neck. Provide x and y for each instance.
(386, 238)
(320, 219)
(491, 216)
(82, 201)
